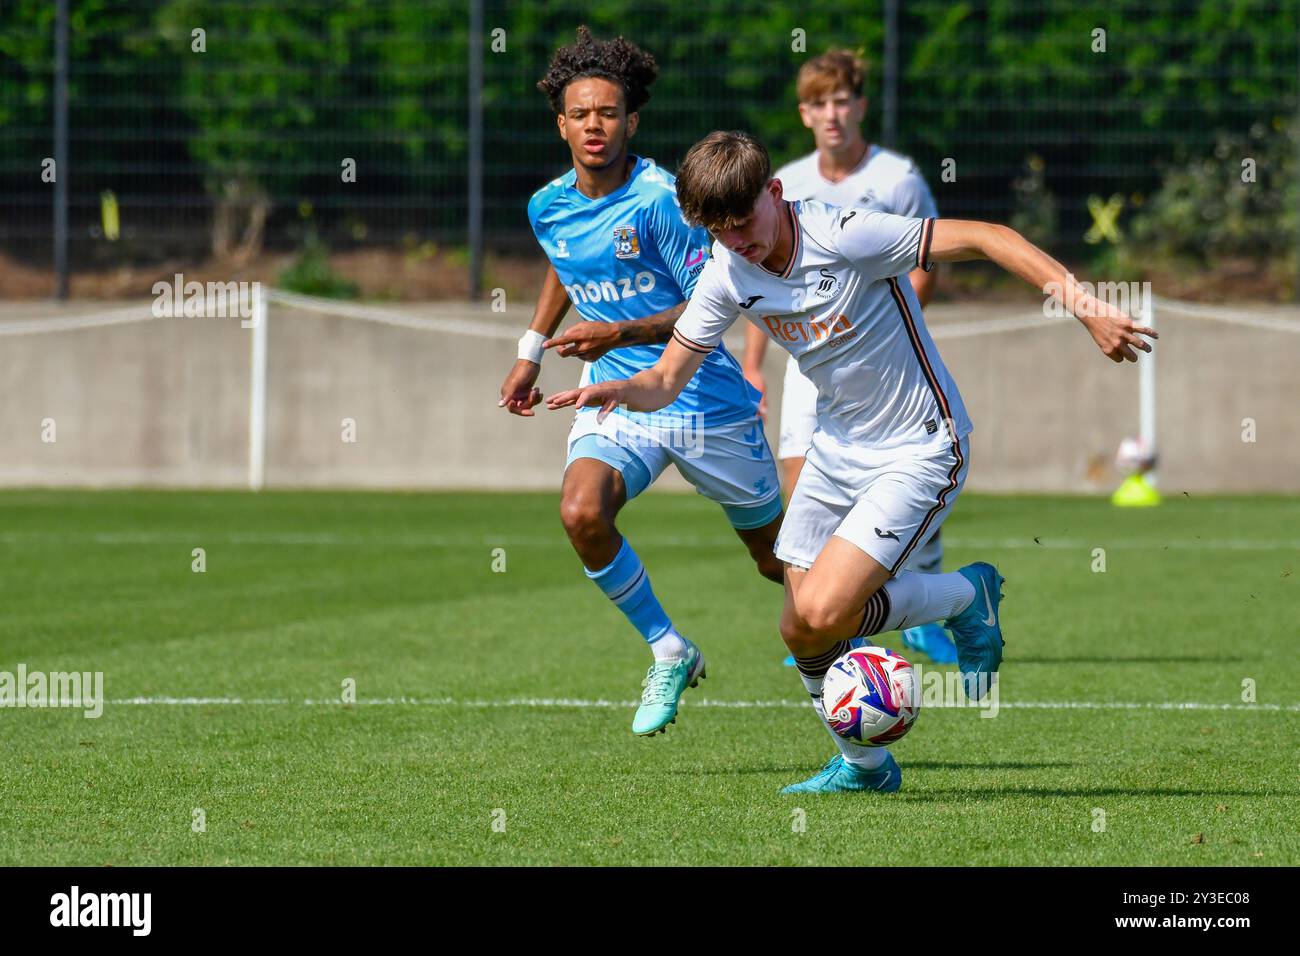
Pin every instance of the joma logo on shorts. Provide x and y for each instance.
(813, 330)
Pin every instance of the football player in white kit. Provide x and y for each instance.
(891, 453)
(846, 170)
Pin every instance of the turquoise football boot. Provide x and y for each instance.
(664, 685)
(932, 641)
(840, 776)
(977, 631)
(854, 642)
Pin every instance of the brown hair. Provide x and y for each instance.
(833, 70)
(721, 178)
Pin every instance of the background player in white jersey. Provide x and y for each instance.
(619, 247)
(891, 453)
(846, 170)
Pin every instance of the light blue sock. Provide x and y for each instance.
(625, 582)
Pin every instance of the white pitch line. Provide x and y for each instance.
(325, 539)
(601, 704)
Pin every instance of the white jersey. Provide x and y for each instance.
(855, 328)
(884, 181)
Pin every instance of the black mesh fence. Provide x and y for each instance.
(202, 127)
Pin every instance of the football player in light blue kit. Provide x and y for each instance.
(622, 254)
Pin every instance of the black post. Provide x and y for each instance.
(889, 108)
(475, 149)
(61, 149)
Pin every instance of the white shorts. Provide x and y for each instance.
(731, 464)
(798, 413)
(888, 510)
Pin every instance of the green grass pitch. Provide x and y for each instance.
(501, 756)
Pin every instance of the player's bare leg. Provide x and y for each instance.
(847, 593)
(590, 499)
(761, 542)
(593, 494)
(856, 767)
(790, 468)
(828, 598)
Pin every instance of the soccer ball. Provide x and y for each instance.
(870, 696)
(1134, 457)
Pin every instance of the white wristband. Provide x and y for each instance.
(530, 346)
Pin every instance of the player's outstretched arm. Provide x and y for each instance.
(519, 392)
(1114, 332)
(590, 340)
(646, 391)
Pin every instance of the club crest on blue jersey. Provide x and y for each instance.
(626, 245)
(561, 248)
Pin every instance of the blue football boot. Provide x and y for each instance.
(840, 776)
(977, 631)
(932, 641)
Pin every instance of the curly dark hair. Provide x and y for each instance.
(617, 60)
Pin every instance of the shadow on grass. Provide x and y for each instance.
(806, 770)
(1002, 793)
(985, 765)
(1112, 659)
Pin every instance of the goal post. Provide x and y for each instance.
(257, 392)
(1147, 391)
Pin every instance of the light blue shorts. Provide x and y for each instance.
(730, 464)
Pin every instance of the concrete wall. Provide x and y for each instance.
(165, 402)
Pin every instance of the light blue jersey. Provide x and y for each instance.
(629, 255)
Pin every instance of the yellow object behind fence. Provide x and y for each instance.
(109, 215)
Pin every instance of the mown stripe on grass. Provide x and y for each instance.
(325, 539)
(561, 702)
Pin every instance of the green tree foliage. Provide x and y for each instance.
(287, 89)
(1237, 203)
(286, 92)
(119, 85)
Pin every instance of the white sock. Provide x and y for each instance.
(868, 758)
(916, 598)
(671, 647)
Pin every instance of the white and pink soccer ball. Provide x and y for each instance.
(1134, 457)
(871, 696)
